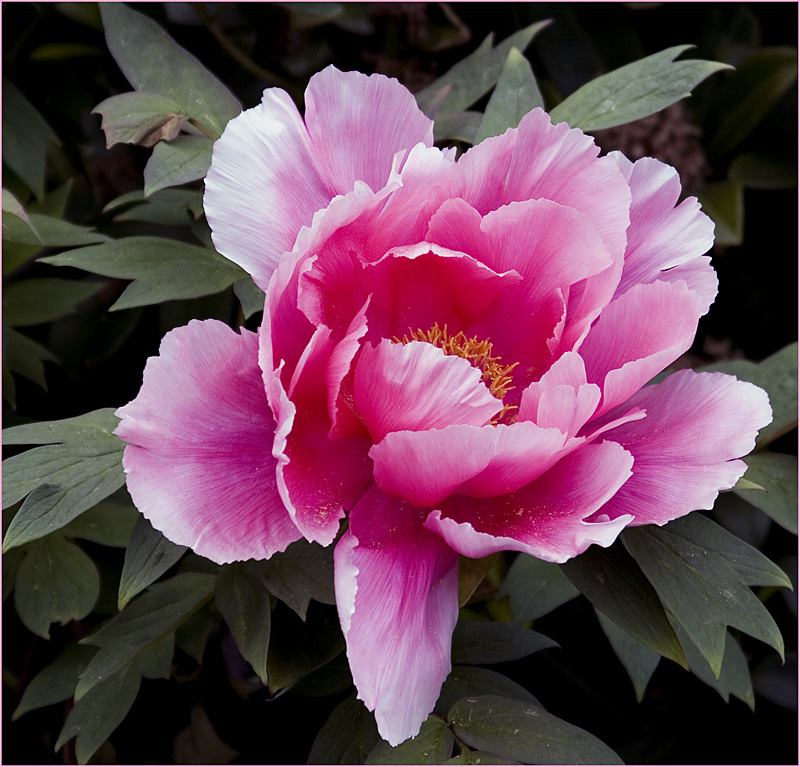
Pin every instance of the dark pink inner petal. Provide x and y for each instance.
(199, 458)
(415, 287)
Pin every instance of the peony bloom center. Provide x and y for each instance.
(477, 351)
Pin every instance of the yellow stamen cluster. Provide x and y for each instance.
(477, 352)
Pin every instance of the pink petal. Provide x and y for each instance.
(416, 386)
(425, 467)
(550, 245)
(397, 593)
(358, 123)
(339, 377)
(637, 336)
(663, 235)
(562, 406)
(199, 457)
(318, 476)
(684, 451)
(263, 185)
(417, 286)
(547, 517)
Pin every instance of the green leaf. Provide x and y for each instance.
(777, 375)
(535, 588)
(614, 584)
(457, 126)
(750, 93)
(723, 201)
(777, 476)
(301, 573)
(329, 679)
(347, 737)
(638, 659)
(242, 597)
(26, 138)
(473, 76)
(95, 716)
(80, 466)
(308, 15)
(757, 170)
(185, 159)
(199, 743)
(479, 757)
(250, 296)
(477, 642)
(191, 637)
(142, 624)
(169, 207)
(109, 523)
(525, 733)
(296, 648)
(433, 745)
(43, 231)
(148, 556)
(734, 677)
(153, 62)
(470, 574)
(56, 581)
(161, 269)
(469, 681)
(36, 301)
(63, 51)
(515, 95)
(701, 574)
(13, 206)
(634, 91)
(25, 357)
(140, 117)
(56, 682)
(11, 562)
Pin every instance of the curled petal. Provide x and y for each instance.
(397, 593)
(685, 450)
(637, 336)
(547, 518)
(416, 386)
(199, 458)
(425, 467)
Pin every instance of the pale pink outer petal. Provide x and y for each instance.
(263, 185)
(547, 517)
(357, 124)
(199, 458)
(425, 467)
(416, 386)
(663, 235)
(397, 595)
(685, 450)
(637, 336)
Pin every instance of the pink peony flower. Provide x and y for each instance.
(454, 356)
